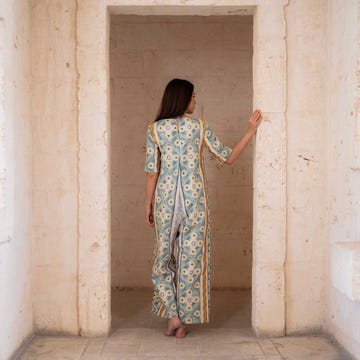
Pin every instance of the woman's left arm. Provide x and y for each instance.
(151, 180)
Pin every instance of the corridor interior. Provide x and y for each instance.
(145, 53)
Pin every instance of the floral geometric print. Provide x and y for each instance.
(152, 152)
(220, 151)
(181, 278)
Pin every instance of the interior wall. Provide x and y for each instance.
(55, 166)
(215, 53)
(343, 311)
(16, 317)
(306, 164)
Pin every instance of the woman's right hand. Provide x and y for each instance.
(254, 121)
(149, 216)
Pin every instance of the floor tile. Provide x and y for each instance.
(120, 350)
(268, 347)
(314, 347)
(55, 348)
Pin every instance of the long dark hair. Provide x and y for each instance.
(176, 98)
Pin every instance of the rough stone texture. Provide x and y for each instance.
(343, 314)
(216, 55)
(269, 228)
(306, 165)
(55, 172)
(16, 315)
(94, 168)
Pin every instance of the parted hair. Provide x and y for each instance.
(176, 98)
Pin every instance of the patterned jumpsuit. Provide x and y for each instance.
(181, 259)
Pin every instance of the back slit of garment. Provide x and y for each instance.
(175, 234)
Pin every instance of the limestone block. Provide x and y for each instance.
(134, 38)
(345, 268)
(244, 42)
(235, 124)
(306, 122)
(172, 7)
(170, 64)
(269, 20)
(223, 63)
(304, 310)
(268, 299)
(236, 198)
(130, 64)
(210, 88)
(66, 165)
(54, 239)
(237, 88)
(55, 311)
(270, 224)
(52, 60)
(130, 91)
(197, 36)
(54, 127)
(270, 166)
(311, 76)
(343, 313)
(91, 15)
(269, 80)
(55, 208)
(94, 205)
(242, 171)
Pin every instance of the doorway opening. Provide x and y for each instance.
(215, 53)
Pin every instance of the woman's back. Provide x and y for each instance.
(175, 150)
(179, 142)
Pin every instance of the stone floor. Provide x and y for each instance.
(136, 334)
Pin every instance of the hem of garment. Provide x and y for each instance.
(169, 316)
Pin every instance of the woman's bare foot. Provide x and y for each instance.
(181, 332)
(173, 325)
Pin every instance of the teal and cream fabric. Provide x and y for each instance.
(181, 264)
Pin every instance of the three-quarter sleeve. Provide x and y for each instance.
(220, 151)
(152, 153)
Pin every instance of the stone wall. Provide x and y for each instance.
(16, 315)
(55, 166)
(306, 164)
(215, 53)
(343, 138)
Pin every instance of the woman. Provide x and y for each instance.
(177, 205)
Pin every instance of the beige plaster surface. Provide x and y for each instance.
(16, 315)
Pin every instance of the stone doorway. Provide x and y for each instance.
(145, 53)
(269, 220)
